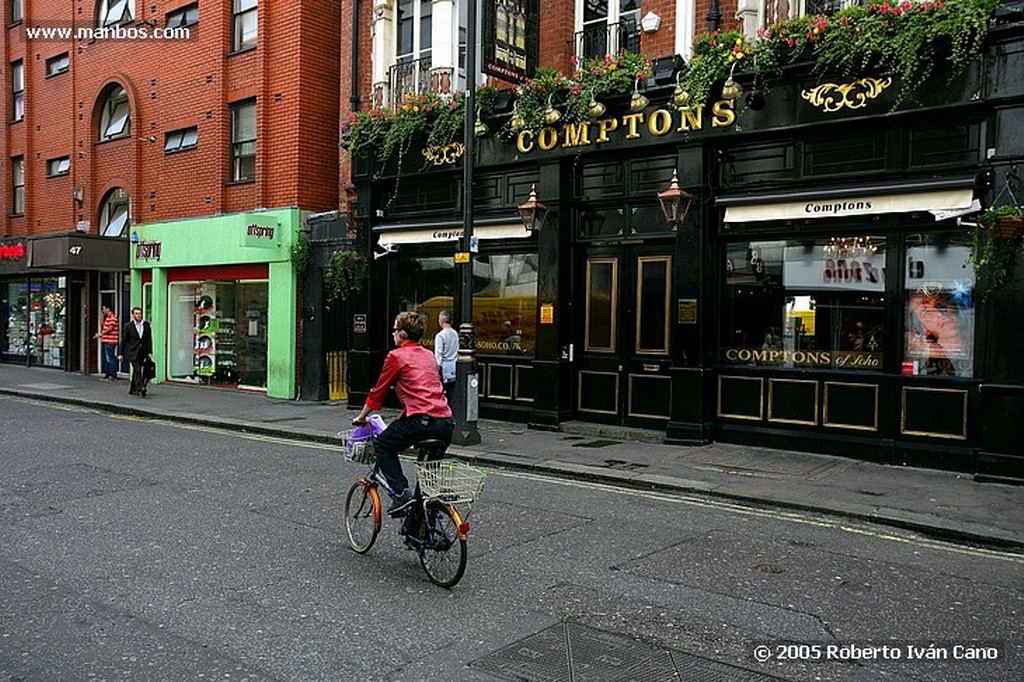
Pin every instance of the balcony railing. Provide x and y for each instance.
(600, 39)
(772, 11)
(408, 78)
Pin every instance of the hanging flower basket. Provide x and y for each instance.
(1007, 228)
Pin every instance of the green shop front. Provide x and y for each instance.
(220, 294)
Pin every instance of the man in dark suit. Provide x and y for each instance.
(137, 346)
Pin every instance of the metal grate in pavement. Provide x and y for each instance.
(597, 444)
(577, 653)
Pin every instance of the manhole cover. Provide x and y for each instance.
(570, 651)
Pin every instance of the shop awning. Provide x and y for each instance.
(944, 198)
(79, 252)
(390, 236)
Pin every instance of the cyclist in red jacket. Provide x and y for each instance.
(412, 370)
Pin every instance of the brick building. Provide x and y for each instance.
(158, 151)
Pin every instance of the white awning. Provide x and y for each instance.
(448, 233)
(954, 200)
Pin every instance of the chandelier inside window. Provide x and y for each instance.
(850, 247)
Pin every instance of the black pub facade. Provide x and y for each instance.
(818, 295)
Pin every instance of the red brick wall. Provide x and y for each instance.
(293, 74)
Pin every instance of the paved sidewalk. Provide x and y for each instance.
(943, 503)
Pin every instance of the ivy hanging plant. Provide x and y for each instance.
(904, 40)
(302, 254)
(996, 242)
(344, 275)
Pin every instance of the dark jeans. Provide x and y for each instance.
(109, 364)
(449, 390)
(401, 434)
(138, 382)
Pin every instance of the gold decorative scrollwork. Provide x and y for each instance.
(833, 97)
(449, 153)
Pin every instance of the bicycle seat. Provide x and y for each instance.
(431, 448)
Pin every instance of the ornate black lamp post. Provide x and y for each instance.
(466, 406)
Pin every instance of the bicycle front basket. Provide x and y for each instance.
(450, 480)
(359, 450)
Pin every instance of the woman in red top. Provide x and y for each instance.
(412, 370)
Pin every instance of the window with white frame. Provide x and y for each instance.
(243, 141)
(115, 117)
(17, 185)
(757, 14)
(115, 213)
(57, 64)
(413, 34)
(58, 166)
(114, 12)
(17, 10)
(18, 90)
(245, 29)
(607, 27)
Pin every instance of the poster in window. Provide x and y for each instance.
(940, 331)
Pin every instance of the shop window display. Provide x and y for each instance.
(504, 298)
(815, 303)
(217, 333)
(34, 321)
(939, 309)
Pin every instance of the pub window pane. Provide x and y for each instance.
(653, 285)
(504, 298)
(814, 303)
(602, 281)
(939, 306)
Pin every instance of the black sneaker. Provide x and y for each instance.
(400, 503)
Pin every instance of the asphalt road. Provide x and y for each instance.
(144, 550)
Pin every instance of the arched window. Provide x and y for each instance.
(115, 213)
(115, 118)
(114, 12)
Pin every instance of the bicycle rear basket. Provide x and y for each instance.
(358, 450)
(450, 480)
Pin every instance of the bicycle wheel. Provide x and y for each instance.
(443, 552)
(362, 516)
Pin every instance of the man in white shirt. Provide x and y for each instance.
(446, 351)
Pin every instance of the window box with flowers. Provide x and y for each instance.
(906, 41)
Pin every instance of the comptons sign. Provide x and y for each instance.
(635, 125)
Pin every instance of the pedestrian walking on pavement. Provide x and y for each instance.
(108, 336)
(137, 346)
(425, 412)
(446, 352)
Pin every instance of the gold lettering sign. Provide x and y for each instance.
(447, 154)
(803, 358)
(635, 126)
(833, 97)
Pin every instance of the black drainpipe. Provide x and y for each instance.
(354, 95)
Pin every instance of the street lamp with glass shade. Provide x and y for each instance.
(675, 202)
(532, 212)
